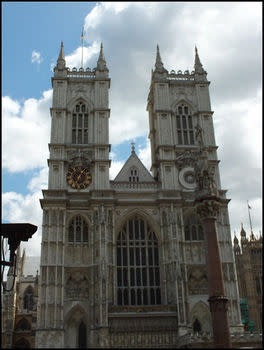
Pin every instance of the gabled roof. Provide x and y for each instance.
(134, 163)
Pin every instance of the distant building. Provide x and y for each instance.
(248, 258)
(19, 305)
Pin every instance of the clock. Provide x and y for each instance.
(79, 177)
(187, 178)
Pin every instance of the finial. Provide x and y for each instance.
(132, 147)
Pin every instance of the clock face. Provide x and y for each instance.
(79, 177)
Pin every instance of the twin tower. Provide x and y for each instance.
(123, 262)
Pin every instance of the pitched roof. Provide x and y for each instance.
(128, 171)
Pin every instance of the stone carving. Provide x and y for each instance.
(204, 176)
(186, 158)
(208, 209)
(102, 215)
(164, 218)
(143, 324)
(199, 135)
(77, 286)
(197, 280)
(80, 158)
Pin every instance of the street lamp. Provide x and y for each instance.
(15, 234)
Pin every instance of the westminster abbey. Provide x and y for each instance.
(123, 261)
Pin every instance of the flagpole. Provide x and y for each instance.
(82, 47)
(249, 217)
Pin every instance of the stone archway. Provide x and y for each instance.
(76, 325)
(200, 318)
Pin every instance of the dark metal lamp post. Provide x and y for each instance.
(15, 234)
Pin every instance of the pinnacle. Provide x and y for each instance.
(101, 63)
(159, 65)
(198, 67)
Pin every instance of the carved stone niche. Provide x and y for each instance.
(197, 279)
(145, 324)
(80, 158)
(77, 284)
(186, 159)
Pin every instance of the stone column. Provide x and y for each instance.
(208, 208)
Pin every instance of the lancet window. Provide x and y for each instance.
(78, 230)
(138, 273)
(80, 124)
(193, 229)
(28, 299)
(184, 125)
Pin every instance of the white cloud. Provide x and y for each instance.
(26, 132)
(36, 57)
(74, 59)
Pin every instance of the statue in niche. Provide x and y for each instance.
(199, 135)
(164, 218)
(205, 177)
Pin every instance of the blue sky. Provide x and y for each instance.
(28, 26)
(228, 36)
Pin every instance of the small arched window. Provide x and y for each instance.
(28, 299)
(82, 341)
(78, 230)
(133, 175)
(80, 124)
(193, 229)
(184, 125)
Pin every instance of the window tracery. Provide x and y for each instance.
(184, 125)
(80, 124)
(138, 275)
(78, 230)
(193, 229)
(28, 299)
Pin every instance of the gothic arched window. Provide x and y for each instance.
(80, 124)
(184, 125)
(193, 229)
(82, 336)
(23, 325)
(28, 299)
(138, 275)
(78, 230)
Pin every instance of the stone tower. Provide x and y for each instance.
(123, 262)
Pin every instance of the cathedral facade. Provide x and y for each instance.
(123, 262)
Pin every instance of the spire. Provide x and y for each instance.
(242, 232)
(61, 59)
(198, 67)
(159, 65)
(101, 63)
(235, 239)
